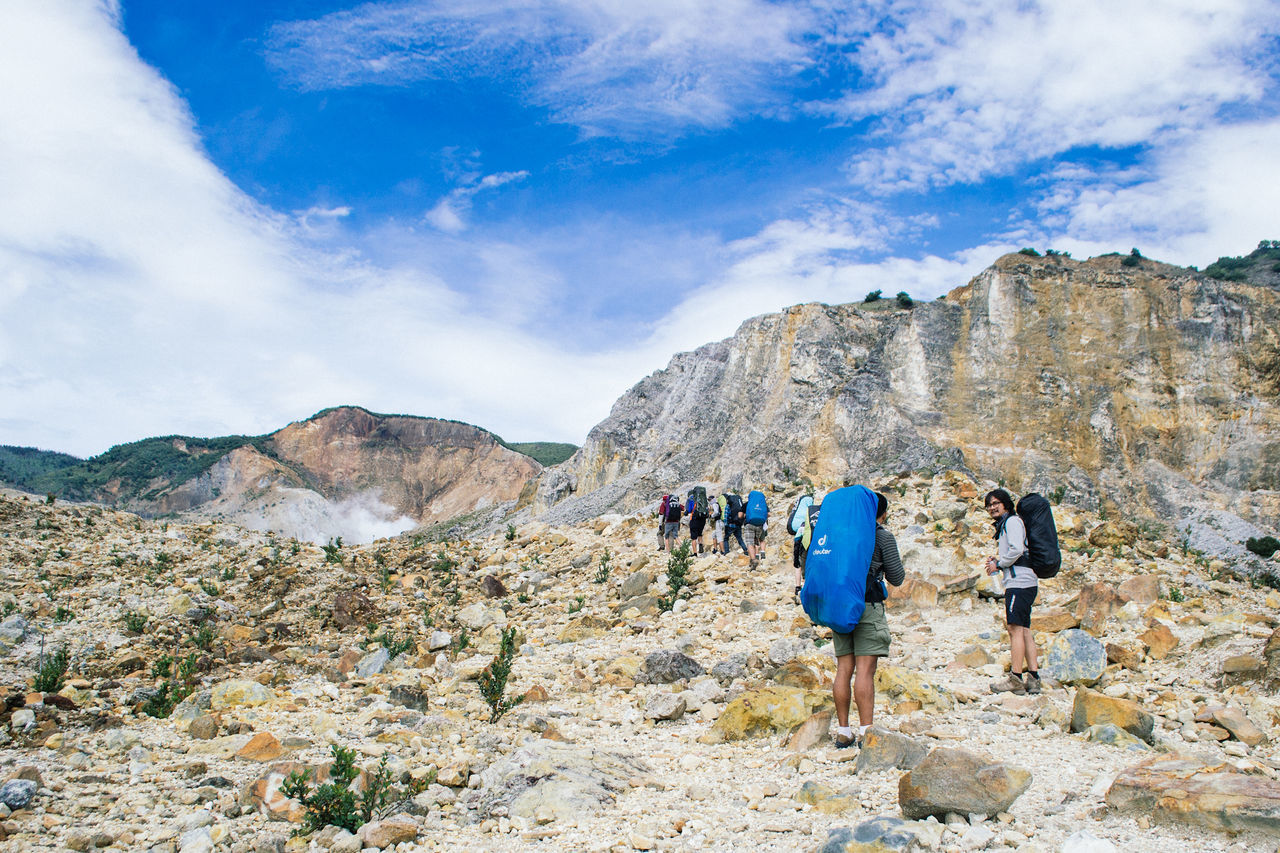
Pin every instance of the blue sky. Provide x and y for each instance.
(219, 218)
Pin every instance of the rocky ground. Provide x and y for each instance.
(706, 727)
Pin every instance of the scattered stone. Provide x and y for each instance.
(664, 706)
(353, 608)
(492, 587)
(1159, 641)
(439, 640)
(1074, 657)
(636, 584)
(1128, 657)
(1113, 735)
(974, 656)
(1091, 708)
(811, 733)
(1085, 841)
(665, 667)
(1096, 604)
(238, 692)
(389, 832)
(204, 727)
(409, 696)
(548, 781)
(373, 663)
(956, 780)
(786, 649)
(908, 685)
(1244, 665)
(1111, 533)
(1240, 726)
(878, 835)
(1140, 589)
(1051, 620)
(262, 747)
(18, 793)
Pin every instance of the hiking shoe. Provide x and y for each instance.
(1033, 685)
(795, 596)
(846, 741)
(1009, 684)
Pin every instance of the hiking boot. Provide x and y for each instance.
(846, 741)
(1009, 684)
(1033, 684)
(795, 596)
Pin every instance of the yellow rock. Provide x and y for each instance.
(765, 711)
(239, 691)
(905, 685)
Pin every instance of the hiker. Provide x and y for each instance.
(720, 515)
(671, 527)
(698, 511)
(1020, 588)
(797, 522)
(858, 653)
(735, 515)
(755, 517)
(662, 521)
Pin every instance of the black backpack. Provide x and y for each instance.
(1043, 554)
(673, 510)
(734, 506)
(699, 495)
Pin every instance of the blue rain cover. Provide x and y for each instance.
(835, 571)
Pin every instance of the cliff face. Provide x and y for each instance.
(1151, 387)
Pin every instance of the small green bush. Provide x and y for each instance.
(333, 551)
(904, 300)
(53, 670)
(873, 296)
(204, 637)
(493, 679)
(677, 576)
(602, 574)
(1264, 547)
(397, 645)
(62, 614)
(1133, 259)
(1029, 252)
(511, 532)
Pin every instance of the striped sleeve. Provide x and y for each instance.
(890, 562)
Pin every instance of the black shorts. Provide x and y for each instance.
(696, 525)
(797, 555)
(1017, 605)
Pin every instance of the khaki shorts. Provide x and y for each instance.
(753, 534)
(869, 637)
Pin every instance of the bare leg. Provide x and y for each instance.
(864, 688)
(1029, 648)
(1016, 648)
(840, 690)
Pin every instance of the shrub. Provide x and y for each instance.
(873, 296)
(511, 532)
(203, 638)
(397, 645)
(1058, 493)
(1264, 547)
(578, 601)
(1133, 259)
(602, 574)
(493, 680)
(1175, 594)
(52, 671)
(210, 588)
(333, 551)
(1029, 252)
(904, 300)
(62, 614)
(334, 803)
(677, 575)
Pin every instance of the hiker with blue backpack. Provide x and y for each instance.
(1026, 550)
(755, 517)
(851, 554)
(735, 517)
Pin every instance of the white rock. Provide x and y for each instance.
(1085, 841)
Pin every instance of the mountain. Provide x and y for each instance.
(345, 471)
(1119, 384)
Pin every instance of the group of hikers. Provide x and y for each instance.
(829, 552)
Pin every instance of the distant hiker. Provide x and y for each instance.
(735, 517)
(671, 529)
(1020, 588)
(698, 512)
(718, 516)
(796, 520)
(755, 517)
(662, 521)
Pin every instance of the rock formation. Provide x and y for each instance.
(1146, 387)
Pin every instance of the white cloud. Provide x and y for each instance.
(627, 69)
(447, 215)
(962, 90)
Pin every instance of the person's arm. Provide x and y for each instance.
(890, 561)
(1013, 543)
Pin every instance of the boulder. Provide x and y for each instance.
(373, 663)
(636, 584)
(353, 608)
(1109, 534)
(18, 793)
(1091, 708)
(477, 617)
(811, 733)
(765, 711)
(492, 587)
(878, 835)
(389, 832)
(408, 696)
(1096, 604)
(1159, 640)
(1190, 790)
(956, 780)
(664, 667)
(826, 800)
(974, 656)
(1141, 589)
(237, 692)
(785, 649)
(1113, 735)
(883, 750)
(439, 640)
(664, 706)
(547, 781)
(1128, 656)
(1240, 726)
(1074, 657)
(914, 591)
(261, 747)
(1051, 620)
(909, 685)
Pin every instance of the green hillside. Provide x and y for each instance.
(545, 453)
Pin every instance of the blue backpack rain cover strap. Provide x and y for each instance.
(835, 570)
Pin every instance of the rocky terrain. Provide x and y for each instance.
(206, 662)
(1130, 385)
(344, 472)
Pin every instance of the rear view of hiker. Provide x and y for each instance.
(662, 521)
(698, 512)
(755, 517)
(1020, 588)
(796, 520)
(735, 517)
(716, 520)
(671, 527)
